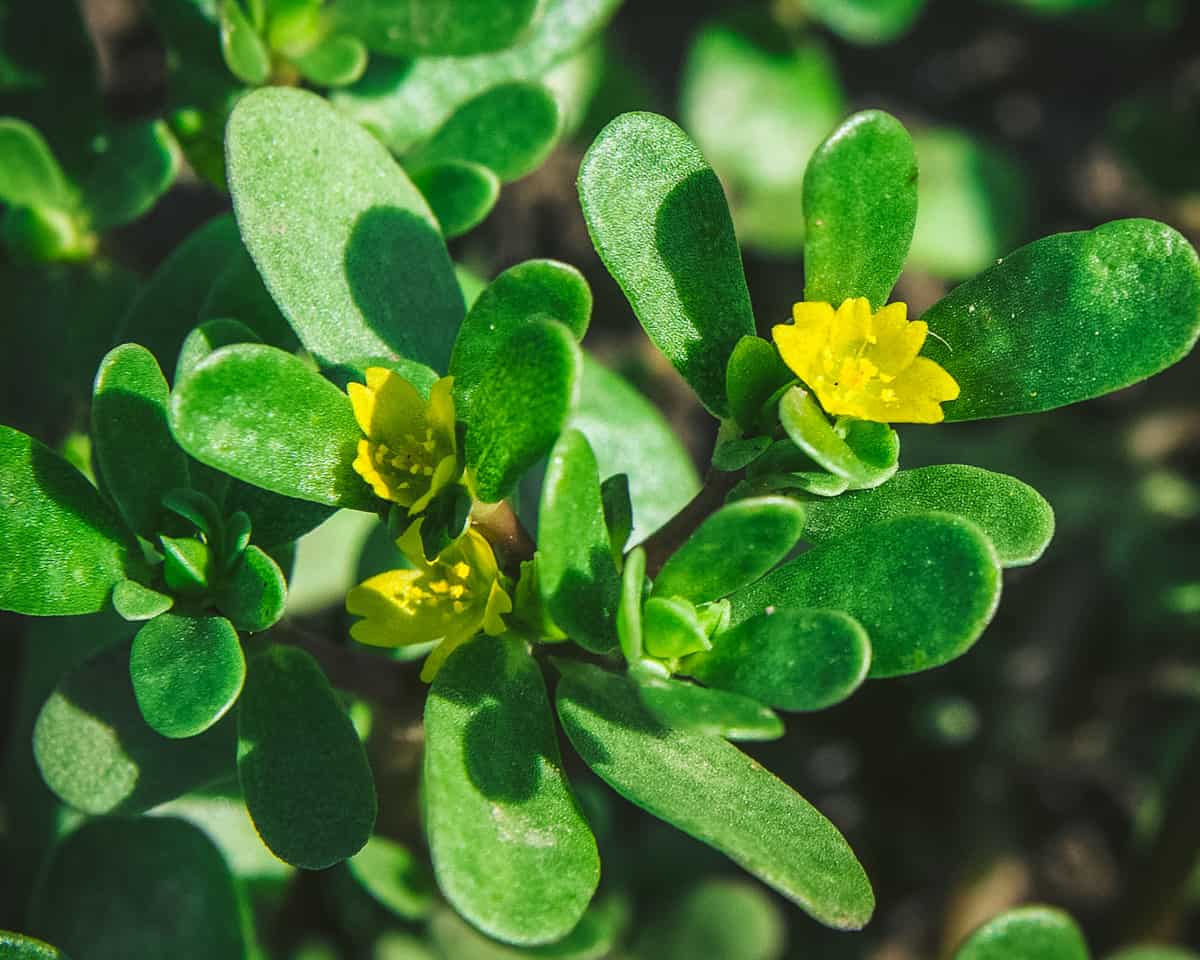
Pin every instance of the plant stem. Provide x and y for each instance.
(499, 524)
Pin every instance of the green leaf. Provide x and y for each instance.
(254, 594)
(238, 291)
(137, 456)
(692, 781)
(790, 659)
(135, 602)
(1031, 933)
(245, 53)
(867, 21)
(345, 243)
(63, 545)
(671, 628)
(149, 887)
(45, 234)
(335, 61)
(187, 672)
(396, 878)
(576, 572)
(685, 706)
(1067, 318)
(15, 946)
(129, 168)
(263, 416)
(187, 565)
(786, 97)
(973, 204)
(618, 511)
(303, 772)
(724, 918)
(405, 102)
(510, 129)
(733, 455)
(530, 291)
(753, 376)
(98, 755)
(442, 28)
(460, 194)
(658, 219)
(629, 607)
(29, 174)
(521, 405)
(627, 432)
(207, 338)
(594, 937)
(511, 850)
(924, 587)
(1015, 517)
(732, 548)
(860, 207)
(808, 429)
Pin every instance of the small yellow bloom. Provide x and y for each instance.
(410, 451)
(450, 599)
(863, 364)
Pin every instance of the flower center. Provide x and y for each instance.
(444, 582)
(411, 462)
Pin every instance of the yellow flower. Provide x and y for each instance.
(865, 365)
(450, 599)
(410, 450)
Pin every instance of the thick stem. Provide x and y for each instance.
(671, 536)
(498, 522)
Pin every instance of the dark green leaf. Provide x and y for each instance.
(754, 374)
(187, 671)
(686, 706)
(200, 511)
(135, 602)
(138, 458)
(808, 429)
(265, 417)
(442, 522)
(658, 219)
(732, 548)
(594, 937)
(618, 511)
(97, 753)
(14, 946)
(335, 61)
(924, 587)
(671, 628)
(532, 290)
(275, 520)
(443, 28)
(577, 575)
(867, 21)
(521, 405)
(395, 877)
(255, 592)
(1031, 933)
(860, 208)
(511, 849)
(245, 53)
(1016, 518)
(130, 167)
(629, 608)
(460, 194)
(345, 243)
(303, 772)
(63, 545)
(29, 174)
(692, 781)
(1067, 318)
(724, 918)
(187, 565)
(733, 455)
(509, 129)
(238, 291)
(790, 659)
(116, 889)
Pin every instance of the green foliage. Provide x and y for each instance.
(394, 876)
(303, 772)
(657, 215)
(860, 209)
(692, 780)
(716, 918)
(511, 849)
(754, 375)
(1113, 306)
(14, 946)
(685, 706)
(346, 244)
(410, 28)
(861, 453)
(29, 174)
(154, 886)
(461, 194)
(923, 587)
(254, 593)
(1039, 933)
(868, 21)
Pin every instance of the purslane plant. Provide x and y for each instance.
(654, 650)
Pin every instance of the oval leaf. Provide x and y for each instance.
(255, 592)
(187, 672)
(923, 587)
(692, 781)
(725, 918)
(128, 169)
(732, 548)
(718, 713)
(446, 28)
(303, 772)
(1015, 517)
(14, 946)
(64, 548)
(137, 456)
(1067, 318)
(460, 194)
(860, 208)
(265, 417)
(576, 572)
(658, 219)
(29, 174)
(1031, 933)
(789, 659)
(396, 878)
(808, 429)
(151, 886)
(346, 244)
(510, 847)
(754, 374)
